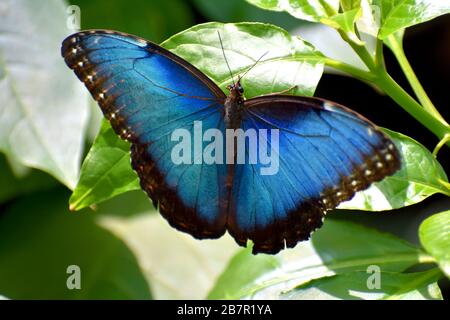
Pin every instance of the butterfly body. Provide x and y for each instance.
(324, 152)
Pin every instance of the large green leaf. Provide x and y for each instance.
(382, 17)
(421, 176)
(399, 14)
(175, 264)
(286, 61)
(43, 110)
(338, 247)
(289, 62)
(354, 286)
(40, 238)
(434, 235)
(106, 171)
(340, 15)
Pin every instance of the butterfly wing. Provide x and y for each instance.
(146, 93)
(326, 153)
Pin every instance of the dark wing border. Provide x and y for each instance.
(149, 46)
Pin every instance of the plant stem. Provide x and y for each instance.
(384, 81)
(349, 69)
(379, 56)
(438, 147)
(361, 50)
(391, 88)
(397, 48)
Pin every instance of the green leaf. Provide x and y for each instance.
(357, 286)
(399, 14)
(346, 22)
(434, 234)
(348, 5)
(177, 265)
(339, 15)
(43, 110)
(387, 16)
(106, 171)
(338, 247)
(421, 176)
(310, 10)
(40, 238)
(286, 61)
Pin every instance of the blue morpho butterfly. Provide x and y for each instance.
(326, 151)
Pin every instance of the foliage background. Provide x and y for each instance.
(125, 250)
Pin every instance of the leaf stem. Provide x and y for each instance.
(393, 89)
(349, 69)
(443, 141)
(360, 50)
(385, 82)
(396, 47)
(379, 56)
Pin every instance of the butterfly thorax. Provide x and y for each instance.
(233, 106)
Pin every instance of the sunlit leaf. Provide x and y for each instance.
(106, 171)
(346, 22)
(43, 110)
(339, 15)
(338, 247)
(399, 14)
(434, 235)
(311, 10)
(358, 285)
(286, 61)
(421, 176)
(40, 239)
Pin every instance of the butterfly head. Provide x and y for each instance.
(236, 90)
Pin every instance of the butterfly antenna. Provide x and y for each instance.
(256, 62)
(226, 61)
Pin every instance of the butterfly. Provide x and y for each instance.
(326, 152)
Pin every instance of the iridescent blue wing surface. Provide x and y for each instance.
(326, 153)
(146, 93)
